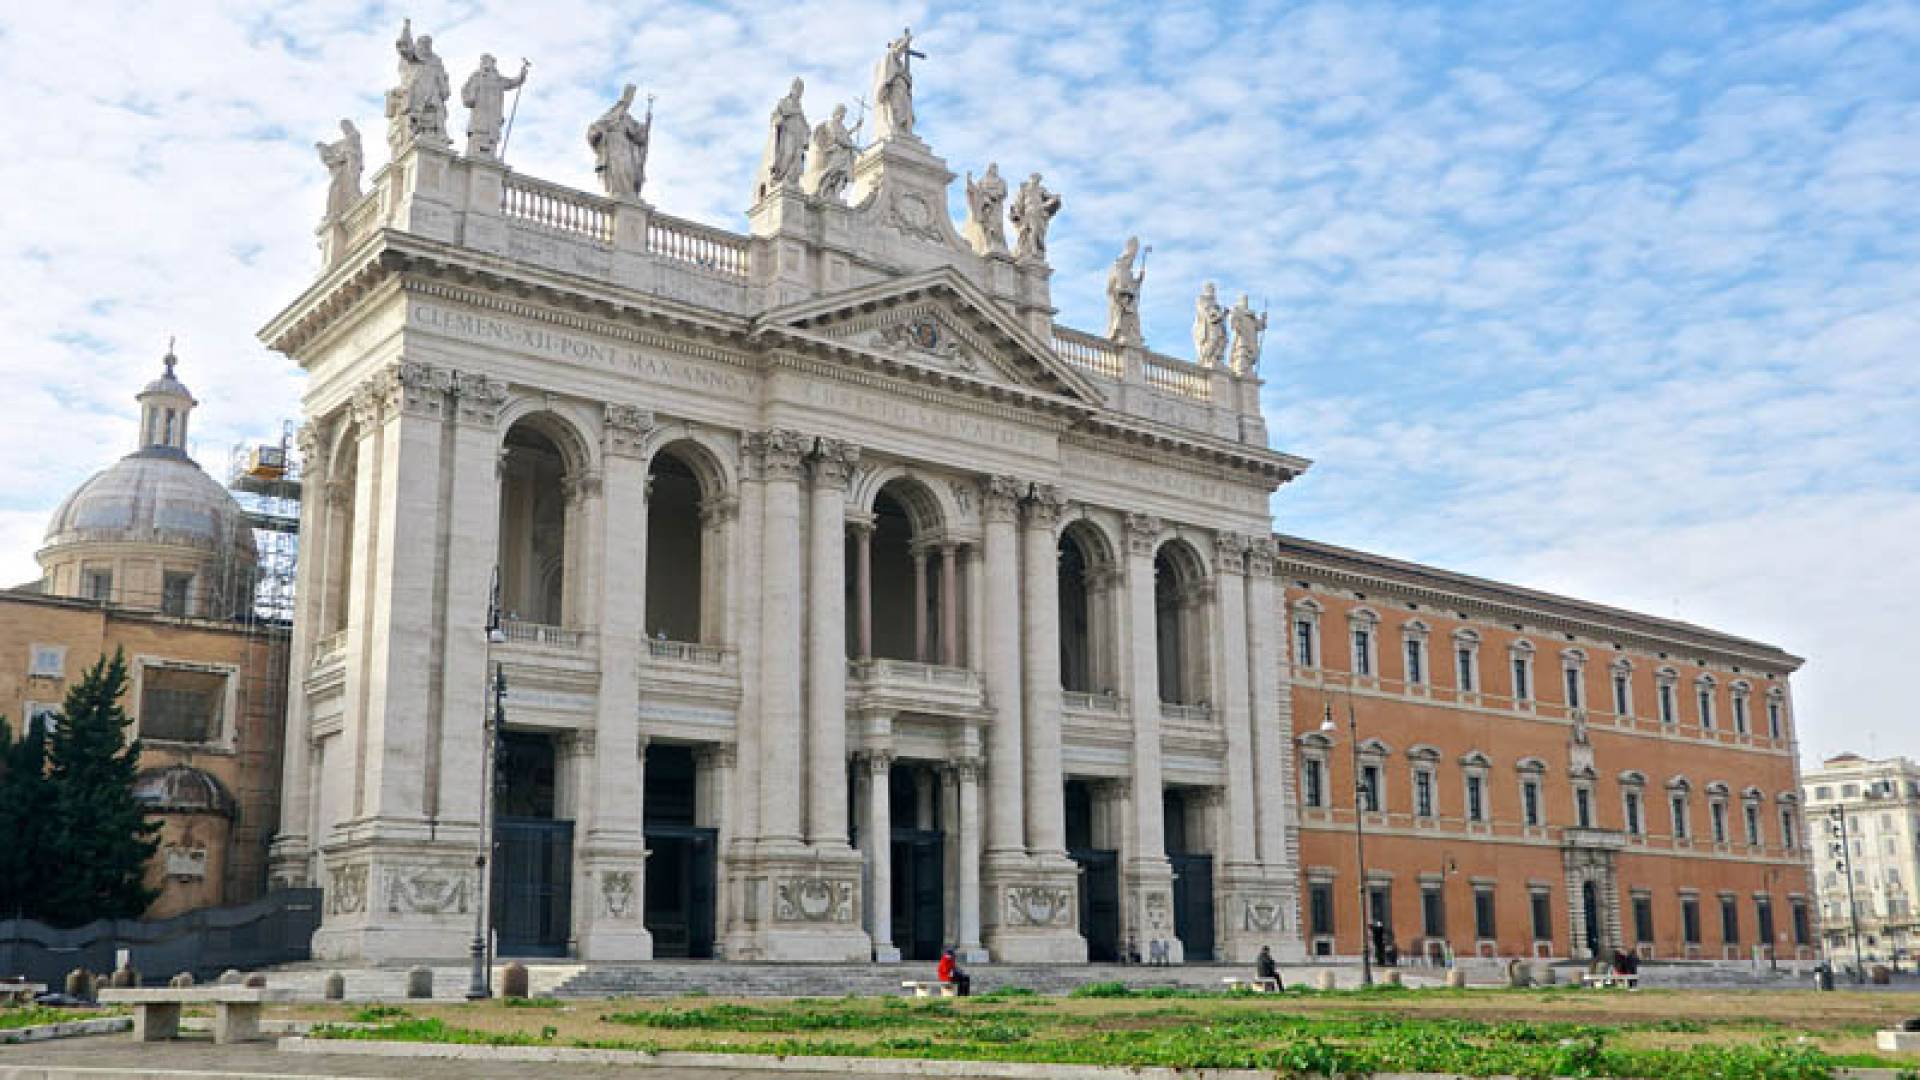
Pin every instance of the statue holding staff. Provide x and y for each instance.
(1209, 328)
(620, 146)
(780, 165)
(344, 162)
(830, 160)
(986, 227)
(1123, 296)
(893, 87)
(417, 108)
(1247, 331)
(1032, 211)
(485, 96)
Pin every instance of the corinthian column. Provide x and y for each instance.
(827, 645)
(1000, 497)
(780, 455)
(1040, 576)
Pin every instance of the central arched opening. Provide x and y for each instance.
(534, 492)
(911, 588)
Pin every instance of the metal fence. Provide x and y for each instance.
(276, 929)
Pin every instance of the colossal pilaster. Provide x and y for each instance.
(1149, 877)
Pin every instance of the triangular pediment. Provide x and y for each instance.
(941, 320)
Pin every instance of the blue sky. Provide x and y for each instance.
(1614, 299)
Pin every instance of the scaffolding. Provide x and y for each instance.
(265, 481)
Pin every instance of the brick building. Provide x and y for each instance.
(1545, 776)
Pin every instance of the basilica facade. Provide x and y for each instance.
(846, 606)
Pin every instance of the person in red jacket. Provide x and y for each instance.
(949, 972)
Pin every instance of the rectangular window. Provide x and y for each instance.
(1690, 919)
(1622, 694)
(1423, 793)
(1802, 926)
(1666, 703)
(1573, 688)
(1542, 903)
(1729, 921)
(1483, 924)
(1530, 802)
(47, 715)
(1463, 662)
(1370, 788)
(1740, 715)
(1303, 642)
(1752, 813)
(1520, 679)
(1433, 912)
(99, 585)
(1313, 783)
(47, 662)
(1763, 920)
(1773, 719)
(1362, 652)
(1679, 807)
(1642, 918)
(181, 704)
(1476, 799)
(1320, 908)
(1380, 905)
(173, 594)
(1717, 813)
(1789, 831)
(1633, 813)
(1416, 673)
(1583, 807)
(1706, 709)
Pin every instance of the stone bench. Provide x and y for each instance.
(1258, 986)
(932, 989)
(1608, 980)
(13, 992)
(156, 1013)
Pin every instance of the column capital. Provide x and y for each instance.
(777, 454)
(414, 388)
(640, 745)
(477, 398)
(999, 498)
(1229, 553)
(625, 429)
(339, 494)
(1143, 533)
(1043, 506)
(879, 762)
(582, 488)
(717, 510)
(1260, 557)
(716, 755)
(833, 462)
(309, 440)
(583, 742)
(861, 524)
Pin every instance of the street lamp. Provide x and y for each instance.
(1843, 857)
(1359, 829)
(480, 984)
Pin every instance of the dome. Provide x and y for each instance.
(181, 789)
(152, 496)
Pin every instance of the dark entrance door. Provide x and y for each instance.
(919, 914)
(1193, 905)
(532, 871)
(1099, 903)
(1590, 905)
(680, 867)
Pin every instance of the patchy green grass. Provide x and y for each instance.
(22, 1016)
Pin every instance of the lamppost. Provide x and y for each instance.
(1359, 829)
(480, 984)
(1842, 856)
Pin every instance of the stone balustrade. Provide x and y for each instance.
(1095, 355)
(687, 652)
(710, 249)
(1178, 377)
(554, 637)
(1082, 702)
(556, 207)
(1188, 715)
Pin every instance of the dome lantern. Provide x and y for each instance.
(165, 404)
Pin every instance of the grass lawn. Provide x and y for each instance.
(1686, 1035)
(19, 1016)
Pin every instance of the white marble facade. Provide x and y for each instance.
(797, 500)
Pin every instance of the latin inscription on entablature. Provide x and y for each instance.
(1096, 469)
(906, 415)
(491, 330)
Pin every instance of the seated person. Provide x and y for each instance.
(1265, 970)
(949, 972)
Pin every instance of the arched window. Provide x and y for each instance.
(914, 590)
(342, 480)
(536, 484)
(1087, 599)
(1179, 618)
(676, 558)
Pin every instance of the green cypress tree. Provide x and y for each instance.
(100, 838)
(26, 808)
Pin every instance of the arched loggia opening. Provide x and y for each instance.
(675, 557)
(536, 527)
(907, 607)
(1087, 598)
(1179, 603)
(337, 567)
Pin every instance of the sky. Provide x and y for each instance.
(1614, 299)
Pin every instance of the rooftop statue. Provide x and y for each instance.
(1032, 211)
(1248, 329)
(1123, 296)
(620, 146)
(344, 162)
(417, 108)
(830, 163)
(1209, 328)
(986, 212)
(780, 165)
(893, 87)
(485, 96)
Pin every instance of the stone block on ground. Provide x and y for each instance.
(335, 987)
(1323, 980)
(124, 978)
(181, 981)
(1456, 979)
(420, 982)
(513, 980)
(1545, 975)
(231, 977)
(79, 984)
(1391, 977)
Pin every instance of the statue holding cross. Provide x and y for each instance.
(893, 88)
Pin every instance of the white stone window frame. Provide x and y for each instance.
(1364, 653)
(1633, 784)
(1520, 657)
(1467, 640)
(1315, 748)
(1666, 697)
(1425, 762)
(229, 706)
(1680, 811)
(1306, 611)
(1474, 766)
(1740, 705)
(1777, 714)
(1573, 677)
(1414, 635)
(1753, 826)
(1533, 773)
(1706, 701)
(1621, 673)
(1375, 753)
(1579, 780)
(1719, 825)
(1790, 818)
(46, 661)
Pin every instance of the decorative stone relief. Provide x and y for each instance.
(626, 429)
(1230, 552)
(923, 338)
(1143, 533)
(477, 398)
(778, 453)
(834, 461)
(1043, 505)
(1157, 913)
(813, 900)
(427, 891)
(186, 863)
(347, 891)
(1039, 905)
(1260, 556)
(911, 213)
(616, 894)
(999, 497)
(1262, 913)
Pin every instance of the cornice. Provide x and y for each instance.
(1114, 433)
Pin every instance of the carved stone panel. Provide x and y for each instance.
(1261, 912)
(813, 900)
(1039, 905)
(347, 891)
(428, 890)
(617, 894)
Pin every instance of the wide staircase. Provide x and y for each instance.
(718, 979)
